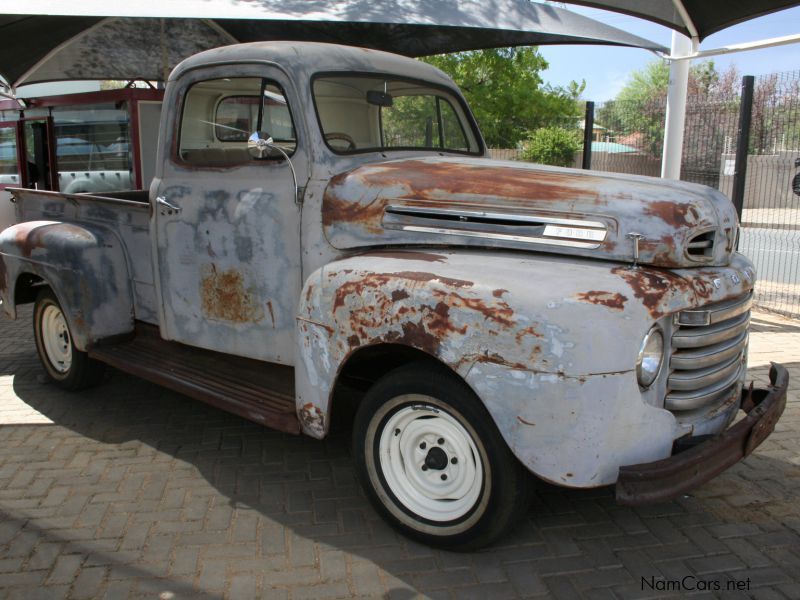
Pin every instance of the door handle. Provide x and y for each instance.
(170, 208)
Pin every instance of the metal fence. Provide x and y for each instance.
(628, 138)
(770, 211)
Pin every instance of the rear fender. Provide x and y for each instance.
(86, 267)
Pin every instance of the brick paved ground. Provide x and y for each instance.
(130, 490)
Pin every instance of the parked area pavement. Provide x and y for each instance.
(129, 490)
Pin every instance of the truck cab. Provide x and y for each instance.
(325, 236)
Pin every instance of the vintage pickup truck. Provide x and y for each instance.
(325, 237)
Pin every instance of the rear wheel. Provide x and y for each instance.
(65, 365)
(432, 461)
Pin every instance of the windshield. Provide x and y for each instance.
(360, 114)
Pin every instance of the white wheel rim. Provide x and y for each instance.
(416, 450)
(56, 339)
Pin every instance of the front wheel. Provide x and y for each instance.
(65, 365)
(432, 461)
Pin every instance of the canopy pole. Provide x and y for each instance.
(758, 45)
(676, 106)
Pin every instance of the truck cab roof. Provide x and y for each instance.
(304, 59)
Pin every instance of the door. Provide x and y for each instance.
(227, 227)
(38, 165)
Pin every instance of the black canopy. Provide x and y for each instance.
(98, 39)
(707, 16)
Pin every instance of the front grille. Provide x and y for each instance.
(708, 352)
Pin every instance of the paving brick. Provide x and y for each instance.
(65, 569)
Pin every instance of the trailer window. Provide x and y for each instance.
(93, 149)
(9, 171)
(220, 114)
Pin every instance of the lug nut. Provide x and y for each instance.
(440, 441)
(444, 477)
(397, 432)
(423, 445)
(424, 467)
(454, 461)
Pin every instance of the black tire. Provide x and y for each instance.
(79, 371)
(408, 404)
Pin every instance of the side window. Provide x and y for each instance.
(9, 170)
(452, 131)
(220, 114)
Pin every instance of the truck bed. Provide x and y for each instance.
(127, 214)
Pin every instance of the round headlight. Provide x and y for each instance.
(651, 354)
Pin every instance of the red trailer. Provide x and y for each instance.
(90, 142)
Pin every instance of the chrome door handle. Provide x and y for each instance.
(170, 208)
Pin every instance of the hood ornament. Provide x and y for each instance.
(635, 237)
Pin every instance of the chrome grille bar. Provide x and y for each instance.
(697, 358)
(707, 362)
(696, 337)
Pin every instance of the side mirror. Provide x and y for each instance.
(259, 144)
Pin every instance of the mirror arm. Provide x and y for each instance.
(291, 168)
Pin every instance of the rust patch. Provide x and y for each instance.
(312, 419)
(496, 359)
(225, 298)
(408, 255)
(210, 251)
(651, 286)
(398, 295)
(524, 422)
(673, 213)
(304, 320)
(614, 301)
(435, 180)
(379, 280)
(445, 183)
(271, 314)
(527, 331)
(440, 323)
(353, 340)
(499, 312)
(499, 293)
(415, 335)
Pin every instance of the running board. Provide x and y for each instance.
(259, 391)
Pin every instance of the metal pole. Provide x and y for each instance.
(676, 107)
(588, 136)
(742, 143)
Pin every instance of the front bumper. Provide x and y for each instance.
(670, 477)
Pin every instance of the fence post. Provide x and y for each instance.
(742, 144)
(588, 136)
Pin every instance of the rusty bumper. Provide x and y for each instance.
(670, 477)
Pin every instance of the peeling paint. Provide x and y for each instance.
(613, 300)
(312, 419)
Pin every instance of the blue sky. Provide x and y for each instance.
(606, 69)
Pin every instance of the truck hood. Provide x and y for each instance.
(437, 201)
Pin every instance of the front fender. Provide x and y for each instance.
(464, 308)
(86, 267)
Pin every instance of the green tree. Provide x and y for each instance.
(551, 146)
(638, 112)
(505, 90)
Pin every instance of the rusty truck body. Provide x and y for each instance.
(325, 234)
